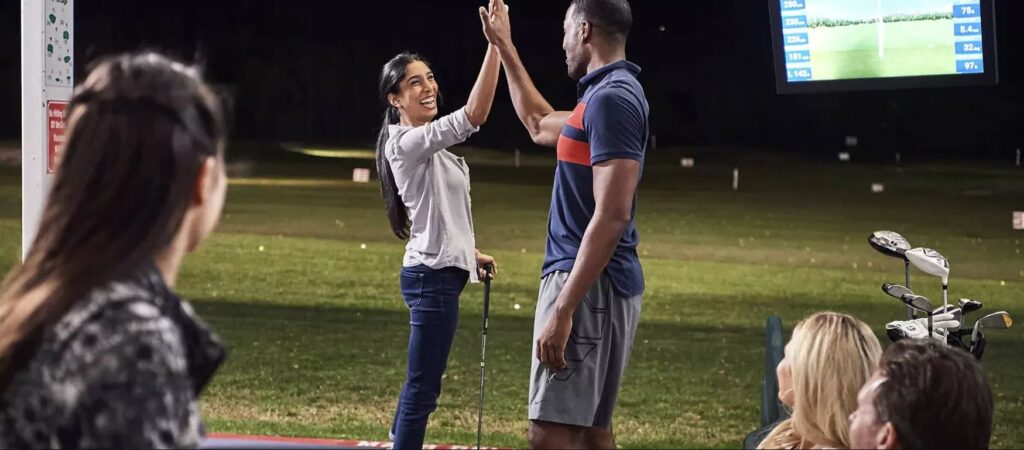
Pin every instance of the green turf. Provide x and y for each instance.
(317, 329)
(911, 49)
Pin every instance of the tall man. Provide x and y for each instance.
(592, 283)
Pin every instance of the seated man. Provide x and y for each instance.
(925, 394)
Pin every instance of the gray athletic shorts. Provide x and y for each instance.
(596, 355)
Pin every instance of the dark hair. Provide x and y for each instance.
(612, 17)
(935, 395)
(391, 77)
(140, 127)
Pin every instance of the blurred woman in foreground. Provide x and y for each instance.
(96, 350)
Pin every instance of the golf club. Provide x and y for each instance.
(896, 290)
(994, 321)
(891, 243)
(483, 354)
(922, 304)
(968, 306)
(932, 263)
(911, 300)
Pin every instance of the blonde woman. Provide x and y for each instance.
(828, 359)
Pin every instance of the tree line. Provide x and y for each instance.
(816, 22)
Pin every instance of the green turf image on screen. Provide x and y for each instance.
(881, 38)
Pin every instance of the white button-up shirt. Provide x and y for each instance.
(434, 186)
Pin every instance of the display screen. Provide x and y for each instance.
(841, 40)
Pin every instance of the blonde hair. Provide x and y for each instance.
(831, 356)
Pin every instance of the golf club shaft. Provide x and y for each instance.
(483, 355)
(911, 313)
(945, 297)
(974, 336)
(480, 406)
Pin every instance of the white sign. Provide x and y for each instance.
(851, 141)
(1018, 220)
(686, 163)
(844, 156)
(877, 188)
(361, 175)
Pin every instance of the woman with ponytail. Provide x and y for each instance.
(96, 350)
(426, 196)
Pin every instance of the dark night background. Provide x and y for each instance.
(305, 70)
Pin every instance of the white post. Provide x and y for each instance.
(1018, 157)
(47, 59)
(516, 163)
(736, 179)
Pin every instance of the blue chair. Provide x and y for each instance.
(772, 410)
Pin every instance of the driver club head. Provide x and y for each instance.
(969, 306)
(896, 290)
(929, 261)
(889, 243)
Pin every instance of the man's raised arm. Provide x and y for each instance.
(541, 120)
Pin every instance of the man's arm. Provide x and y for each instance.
(541, 120)
(615, 183)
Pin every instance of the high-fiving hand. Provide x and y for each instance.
(495, 22)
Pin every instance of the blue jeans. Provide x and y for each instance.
(432, 296)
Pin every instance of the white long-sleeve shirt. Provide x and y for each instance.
(434, 186)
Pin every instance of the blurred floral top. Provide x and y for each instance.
(123, 368)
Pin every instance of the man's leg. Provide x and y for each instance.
(543, 435)
(563, 402)
(597, 437)
(625, 316)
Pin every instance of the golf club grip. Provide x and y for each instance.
(488, 270)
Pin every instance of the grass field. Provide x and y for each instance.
(911, 49)
(317, 330)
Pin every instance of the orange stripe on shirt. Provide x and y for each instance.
(573, 151)
(576, 118)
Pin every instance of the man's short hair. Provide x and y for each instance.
(936, 396)
(613, 18)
